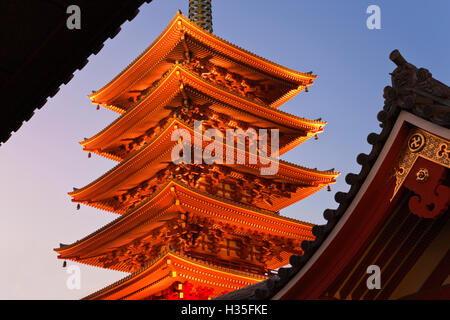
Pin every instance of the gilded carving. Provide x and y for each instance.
(233, 81)
(422, 175)
(187, 113)
(197, 236)
(420, 144)
(214, 179)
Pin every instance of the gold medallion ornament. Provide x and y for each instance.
(416, 142)
(422, 175)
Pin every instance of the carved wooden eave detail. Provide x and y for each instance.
(200, 237)
(218, 180)
(420, 144)
(164, 218)
(156, 156)
(171, 268)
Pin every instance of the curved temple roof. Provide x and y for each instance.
(157, 153)
(173, 35)
(182, 268)
(165, 204)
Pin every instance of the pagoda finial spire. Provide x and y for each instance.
(200, 11)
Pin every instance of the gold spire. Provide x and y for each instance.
(200, 11)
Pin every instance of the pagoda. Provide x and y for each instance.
(196, 230)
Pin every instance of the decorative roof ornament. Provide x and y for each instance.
(415, 90)
(200, 12)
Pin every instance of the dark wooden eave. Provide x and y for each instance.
(39, 53)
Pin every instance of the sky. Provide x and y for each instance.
(43, 161)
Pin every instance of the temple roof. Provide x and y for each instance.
(171, 200)
(182, 36)
(147, 162)
(168, 93)
(44, 53)
(414, 94)
(173, 267)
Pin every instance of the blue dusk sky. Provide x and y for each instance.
(43, 161)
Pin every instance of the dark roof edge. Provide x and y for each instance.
(53, 88)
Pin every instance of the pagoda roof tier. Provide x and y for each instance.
(152, 165)
(170, 272)
(184, 40)
(169, 96)
(132, 239)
